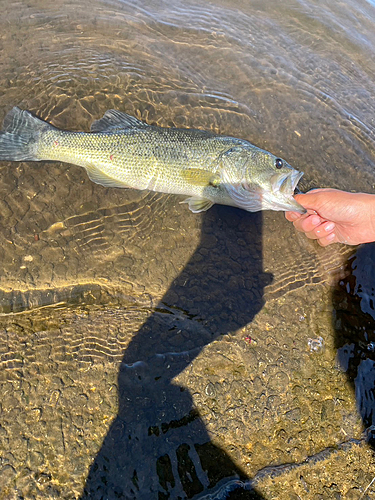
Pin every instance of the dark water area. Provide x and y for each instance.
(354, 322)
(150, 353)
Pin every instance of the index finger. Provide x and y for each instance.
(293, 216)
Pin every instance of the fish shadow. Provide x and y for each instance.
(354, 323)
(158, 446)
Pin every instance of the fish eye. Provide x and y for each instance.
(279, 163)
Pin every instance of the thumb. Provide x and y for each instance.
(314, 198)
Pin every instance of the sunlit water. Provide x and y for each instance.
(150, 353)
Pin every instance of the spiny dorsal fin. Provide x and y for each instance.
(200, 177)
(197, 205)
(116, 120)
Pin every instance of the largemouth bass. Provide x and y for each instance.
(122, 151)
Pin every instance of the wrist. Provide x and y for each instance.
(370, 204)
(363, 216)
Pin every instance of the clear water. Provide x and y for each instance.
(150, 353)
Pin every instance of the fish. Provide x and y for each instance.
(124, 152)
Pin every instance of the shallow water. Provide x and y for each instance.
(148, 352)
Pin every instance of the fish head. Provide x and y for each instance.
(264, 182)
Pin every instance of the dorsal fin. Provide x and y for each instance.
(116, 120)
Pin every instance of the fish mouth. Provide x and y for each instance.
(283, 186)
(286, 183)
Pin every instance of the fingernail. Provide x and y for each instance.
(330, 237)
(328, 227)
(315, 220)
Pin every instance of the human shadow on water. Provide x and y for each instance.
(354, 322)
(158, 446)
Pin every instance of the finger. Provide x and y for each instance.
(328, 240)
(308, 223)
(292, 216)
(321, 231)
(311, 235)
(324, 229)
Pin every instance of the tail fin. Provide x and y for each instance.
(20, 136)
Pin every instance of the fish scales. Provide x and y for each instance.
(139, 158)
(122, 151)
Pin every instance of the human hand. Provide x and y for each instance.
(335, 216)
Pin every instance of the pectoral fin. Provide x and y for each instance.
(200, 177)
(197, 205)
(95, 175)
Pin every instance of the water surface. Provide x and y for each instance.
(148, 352)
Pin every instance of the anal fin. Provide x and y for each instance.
(97, 176)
